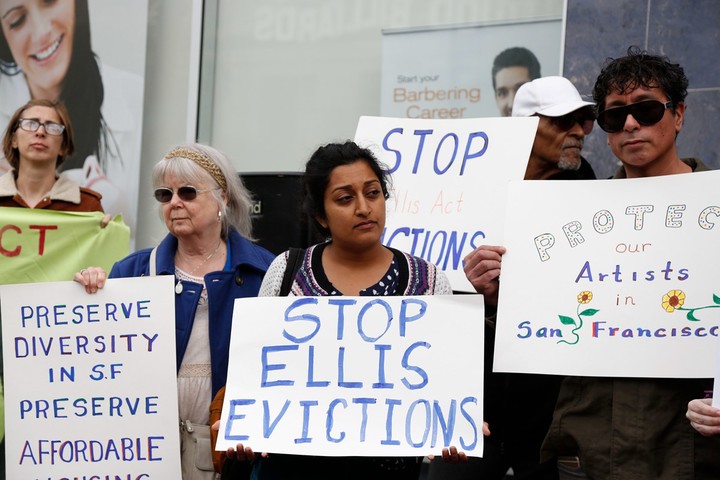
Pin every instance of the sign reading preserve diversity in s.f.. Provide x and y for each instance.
(449, 182)
(90, 388)
(361, 376)
(612, 278)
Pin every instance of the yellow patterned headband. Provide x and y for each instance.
(203, 161)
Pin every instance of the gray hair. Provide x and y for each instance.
(182, 162)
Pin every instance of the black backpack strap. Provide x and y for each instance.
(294, 260)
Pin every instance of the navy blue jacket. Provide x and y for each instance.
(248, 265)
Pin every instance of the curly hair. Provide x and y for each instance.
(320, 166)
(640, 69)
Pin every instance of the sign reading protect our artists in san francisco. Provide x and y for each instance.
(90, 389)
(612, 278)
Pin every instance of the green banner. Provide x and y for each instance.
(47, 246)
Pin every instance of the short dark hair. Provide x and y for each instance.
(13, 155)
(640, 69)
(320, 166)
(516, 57)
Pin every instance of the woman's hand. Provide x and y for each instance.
(92, 278)
(453, 455)
(240, 453)
(704, 417)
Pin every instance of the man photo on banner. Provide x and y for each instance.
(511, 69)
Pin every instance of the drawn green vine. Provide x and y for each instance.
(675, 299)
(583, 298)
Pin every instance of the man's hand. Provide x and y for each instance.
(482, 269)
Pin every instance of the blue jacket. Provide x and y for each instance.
(249, 263)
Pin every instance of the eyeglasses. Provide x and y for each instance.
(51, 128)
(646, 113)
(568, 121)
(186, 194)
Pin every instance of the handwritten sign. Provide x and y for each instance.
(716, 384)
(368, 376)
(449, 182)
(611, 278)
(90, 388)
(46, 245)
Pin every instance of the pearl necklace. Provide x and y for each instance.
(179, 286)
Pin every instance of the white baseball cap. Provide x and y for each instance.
(549, 96)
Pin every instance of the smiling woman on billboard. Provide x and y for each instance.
(46, 53)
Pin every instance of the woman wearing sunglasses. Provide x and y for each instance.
(210, 252)
(36, 142)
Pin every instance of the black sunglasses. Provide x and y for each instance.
(186, 194)
(568, 121)
(646, 113)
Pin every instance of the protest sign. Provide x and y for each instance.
(362, 376)
(716, 384)
(611, 278)
(47, 245)
(90, 389)
(449, 182)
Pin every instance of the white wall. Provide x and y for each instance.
(288, 77)
(166, 93)
(293, 75)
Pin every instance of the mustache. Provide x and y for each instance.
(573, 143)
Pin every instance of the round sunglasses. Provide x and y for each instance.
(568, 121)
(186, 193)
(646, 113)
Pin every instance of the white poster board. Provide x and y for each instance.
(611, 278)
(447, 72)
(449, 182)
(716, 385)
(90, 389)
(360, 376)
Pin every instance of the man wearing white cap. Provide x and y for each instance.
(565, 119)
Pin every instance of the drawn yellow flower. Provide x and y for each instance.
(584, 297)
(672, 300)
